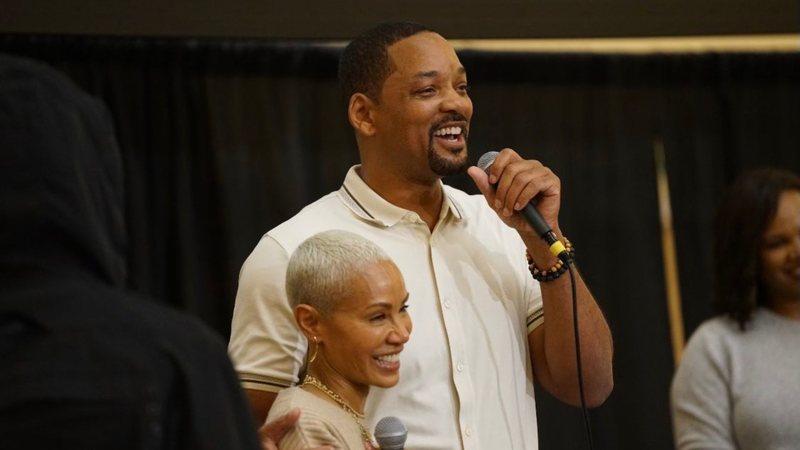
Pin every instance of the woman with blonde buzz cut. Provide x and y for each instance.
(350, 302)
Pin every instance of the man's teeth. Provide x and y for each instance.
(448, 131)
(389, 358)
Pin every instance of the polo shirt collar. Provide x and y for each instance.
(370, 206)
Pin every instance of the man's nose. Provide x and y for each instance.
(458, 102)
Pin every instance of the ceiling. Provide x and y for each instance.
(467, 19)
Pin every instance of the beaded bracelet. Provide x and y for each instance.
(554, 272)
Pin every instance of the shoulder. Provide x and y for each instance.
(329, 212)
(314, 408)
(713, 349)
(320, 423)
(182, 333)
(131, 326)
(277, 244)
(714, 335)
(327, 204)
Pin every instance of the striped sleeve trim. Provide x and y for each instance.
(261, 383)
(534, 320)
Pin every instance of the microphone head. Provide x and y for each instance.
(486, 160)
(391, 433)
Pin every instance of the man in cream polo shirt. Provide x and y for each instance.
(466, 376)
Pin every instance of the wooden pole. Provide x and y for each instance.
(670, 255)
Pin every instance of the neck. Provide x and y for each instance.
(789, 308)
(423, 196)
(354, 395)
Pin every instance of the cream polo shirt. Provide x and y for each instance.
(465, 376)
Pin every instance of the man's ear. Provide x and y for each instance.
(360, 112)
(308, 319)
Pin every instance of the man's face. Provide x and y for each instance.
(423, 114)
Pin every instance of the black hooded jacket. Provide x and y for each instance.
(85, 364)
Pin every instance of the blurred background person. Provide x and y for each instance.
(87, 364)
(737, 385)
(350, 302)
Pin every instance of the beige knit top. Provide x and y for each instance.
(321, 422)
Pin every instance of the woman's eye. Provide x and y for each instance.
(377, 317)
(404, 308)
(774, 243)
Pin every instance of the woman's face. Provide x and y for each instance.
(365, 333)
(780, 256)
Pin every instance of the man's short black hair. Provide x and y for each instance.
(365, 65)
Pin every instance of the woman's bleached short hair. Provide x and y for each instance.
(322, 267)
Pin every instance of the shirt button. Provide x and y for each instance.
(468, 431)
(447, 304)
(460, 368)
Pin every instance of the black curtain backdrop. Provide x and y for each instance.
(223, 140)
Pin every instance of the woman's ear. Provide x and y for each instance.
(308, 319)
(360, 113)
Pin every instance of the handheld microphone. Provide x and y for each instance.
(390, 433)
(530, 213)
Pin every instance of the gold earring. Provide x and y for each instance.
(316, 350)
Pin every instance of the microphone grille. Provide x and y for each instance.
(390, 433)
(486, 160)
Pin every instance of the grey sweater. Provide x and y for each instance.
(739, 390)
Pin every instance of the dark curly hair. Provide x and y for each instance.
(747, 209)
(364, 64)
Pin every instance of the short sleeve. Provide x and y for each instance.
(266, 346)
(700, 394)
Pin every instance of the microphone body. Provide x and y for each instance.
(391, 433)
(529, 212)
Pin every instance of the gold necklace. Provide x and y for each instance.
(365, 434)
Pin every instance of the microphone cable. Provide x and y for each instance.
(541, 227)
(564, 256)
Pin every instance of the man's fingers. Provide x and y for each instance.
(504, 171)
(278, 428)
(538, 182)
(520, 182)
(481, 180)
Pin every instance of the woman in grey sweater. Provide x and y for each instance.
(738, 386)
